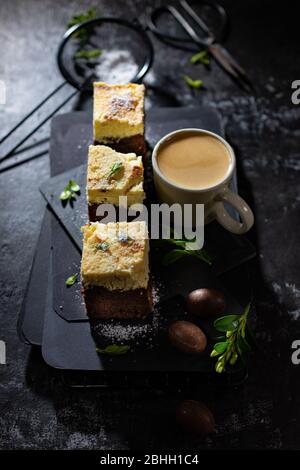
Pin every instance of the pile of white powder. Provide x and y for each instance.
(133, 332)
(116, 66)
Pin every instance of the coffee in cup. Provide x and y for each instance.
(195, 166)
(194, 161)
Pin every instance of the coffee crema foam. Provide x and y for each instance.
(194, 161)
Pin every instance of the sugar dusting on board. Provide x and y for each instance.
(133, 333)
(116, 66)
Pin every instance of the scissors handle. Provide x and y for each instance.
(221, 13)
(208, 38)
(151, 21)
(200, 41)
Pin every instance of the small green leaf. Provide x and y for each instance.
(172, 256)
(71, 280)
(221, 347)
(69, 191)
(202, 57)
(233, 359)
(74, 186)
(90, 14)
(186, 247)
(192, 83)
(115, 169)
(114, 350)
(81, 17)
(214, 353)
(88, 54)
(102, 246)
(220, 366)
(65, 195)
(227, 323)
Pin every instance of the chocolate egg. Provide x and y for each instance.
(194, 417)
(187, 337)
(206, 302)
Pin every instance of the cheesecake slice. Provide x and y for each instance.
(119, 117)
(112, 174)
(115, 270)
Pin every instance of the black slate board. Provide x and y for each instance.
(64, 156)
(70, 345)
(31, 320)
(31, 317)
(69, 340)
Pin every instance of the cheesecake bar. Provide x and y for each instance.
(115, 270)
(112, 174)
(119, 117)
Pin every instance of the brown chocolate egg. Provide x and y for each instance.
(194, 417)
(206, 302)
(187, 337)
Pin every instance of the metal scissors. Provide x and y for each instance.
(207, 40)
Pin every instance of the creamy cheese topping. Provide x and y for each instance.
(112, 174)
(115, 255)
(118, 111)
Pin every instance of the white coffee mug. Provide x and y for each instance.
(213, 198)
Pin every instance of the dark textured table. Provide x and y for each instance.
(36, 410)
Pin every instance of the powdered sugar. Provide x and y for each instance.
(133, 333)
(116, 66)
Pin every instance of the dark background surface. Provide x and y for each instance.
(36, 411)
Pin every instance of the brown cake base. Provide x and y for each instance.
(135, 144)
(92, 209)
(104, 304)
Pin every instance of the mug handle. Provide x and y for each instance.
(225, 219)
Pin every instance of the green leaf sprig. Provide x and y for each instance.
(185, 248)
(102, 246)
(88, 54)
(202, 57)
(71, 280)
(90, 14)
(116, 167)
(234, 345)
(192, 83)
(70, 191)
(114, 350)
(83, 35)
